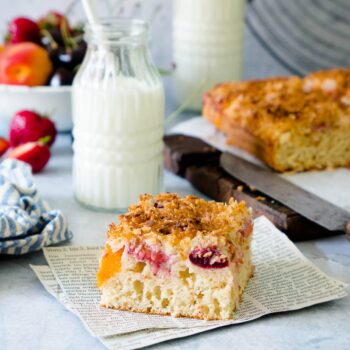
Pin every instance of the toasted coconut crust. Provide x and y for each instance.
(169, 217)
(293, 124)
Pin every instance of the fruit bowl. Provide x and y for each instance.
(54, 101)
(38, 61)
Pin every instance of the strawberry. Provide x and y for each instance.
(36, 154)
(4, 146)
(23, 29)
(27, 126)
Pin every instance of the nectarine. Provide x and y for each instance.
(110, 265)
(24, 64)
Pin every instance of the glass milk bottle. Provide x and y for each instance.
(118, 113)
(207, 43)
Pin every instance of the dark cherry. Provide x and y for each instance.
(61, 76)
(66, 58)
(53, 52)
(45, 41)
(57, 35)
(71, 57)
(53, 38)
(80, 51)
(208, 258)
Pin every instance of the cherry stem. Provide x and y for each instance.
(53, 42)
(67, 39)
(44, 140)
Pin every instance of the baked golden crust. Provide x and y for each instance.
(270, 117)
(170, 217)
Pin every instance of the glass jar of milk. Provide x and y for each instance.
(118, 113)
(208, 46)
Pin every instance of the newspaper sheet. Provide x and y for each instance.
(148, 337)
(284, 280)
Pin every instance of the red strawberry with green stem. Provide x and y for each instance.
(36, 154)
(27, 126)
(22, 29)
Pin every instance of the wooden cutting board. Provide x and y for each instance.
(198, 162)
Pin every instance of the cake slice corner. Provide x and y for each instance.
(178, 256)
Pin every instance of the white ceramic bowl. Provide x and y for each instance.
(52, 101)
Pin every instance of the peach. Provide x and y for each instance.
(110, 265)
(24, 64)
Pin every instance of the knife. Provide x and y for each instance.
(303, 202)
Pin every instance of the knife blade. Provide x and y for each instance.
(273, 185)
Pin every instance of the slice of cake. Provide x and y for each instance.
(178, 256)
(293, 124)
